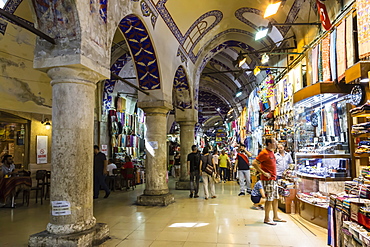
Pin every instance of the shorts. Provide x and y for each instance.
(271, 189)
(256, 199)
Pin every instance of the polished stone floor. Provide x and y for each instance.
(224, 221)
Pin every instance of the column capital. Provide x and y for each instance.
(187, 115)
(186, 123)
(155, 107)
(74, 74)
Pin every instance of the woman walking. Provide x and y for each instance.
(207, 167)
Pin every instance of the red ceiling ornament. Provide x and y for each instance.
(324, 17)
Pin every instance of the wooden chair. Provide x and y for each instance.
(129, 178)
(40, 183)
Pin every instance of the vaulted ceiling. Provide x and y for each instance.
(210, 35)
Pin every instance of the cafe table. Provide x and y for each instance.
(10, 186)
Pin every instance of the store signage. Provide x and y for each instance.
(59, 208)
(42, 149)
(104, 149)
(324, 17)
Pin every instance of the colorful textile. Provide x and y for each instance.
(363, 27)
(314, 62)
(333, 55)
(349, 41)
(325, 51)
(319, 62)
(341, 50)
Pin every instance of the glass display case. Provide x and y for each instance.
(322, 152)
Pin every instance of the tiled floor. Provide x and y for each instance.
(224, 221)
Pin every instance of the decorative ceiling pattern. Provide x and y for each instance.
(181, 89)
(142, 51)
(11, 6)
(208, 104)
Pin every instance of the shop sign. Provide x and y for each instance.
(324, 17)
(42, 149)
(59, 208)
(104, 149)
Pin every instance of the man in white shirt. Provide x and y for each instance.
(283, 159)
(110, 167)
(215, 159)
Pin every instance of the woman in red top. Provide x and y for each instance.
(128, 164)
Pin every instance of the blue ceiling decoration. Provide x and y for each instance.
(10, 7)
(208, 103)
(149, 10)
(103, 10)
(224, 66)
(181, 87)
(142, 51)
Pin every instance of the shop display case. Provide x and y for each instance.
(322, 153)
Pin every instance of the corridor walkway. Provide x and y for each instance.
(224, 221)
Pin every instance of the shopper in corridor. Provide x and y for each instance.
(265, 163)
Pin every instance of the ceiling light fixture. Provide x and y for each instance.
(261, 33)
(272, 9)
(239, 93)
(265, 58)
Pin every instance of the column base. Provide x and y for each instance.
(161, 200)
(183, 185)
(92, 237)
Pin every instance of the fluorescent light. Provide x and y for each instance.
(238, 94)
(365, 80)
(272, 9)
(242, 61)
(261, 33)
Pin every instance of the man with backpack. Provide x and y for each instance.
(193, 163)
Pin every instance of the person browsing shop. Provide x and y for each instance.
(224, 162)
(265, 163)
(283, 159)
(258, 196)
(242, 164)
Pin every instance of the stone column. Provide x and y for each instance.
(186, 141)
(72, 160)
(156, 191)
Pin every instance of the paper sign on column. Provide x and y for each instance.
(59, 208)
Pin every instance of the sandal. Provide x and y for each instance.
(279, 220)
(270, 223)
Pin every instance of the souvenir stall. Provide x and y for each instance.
(253, 129)
(127, 126)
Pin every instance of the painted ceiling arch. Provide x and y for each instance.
(181, 89)
(142, 51)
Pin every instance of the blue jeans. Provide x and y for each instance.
(223, 170)
(99, 180)
(194, 182)
(244, 180)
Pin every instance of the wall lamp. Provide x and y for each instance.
(46, 123)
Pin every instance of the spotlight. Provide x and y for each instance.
(265, 58)
(261, 33)
(272, 9)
